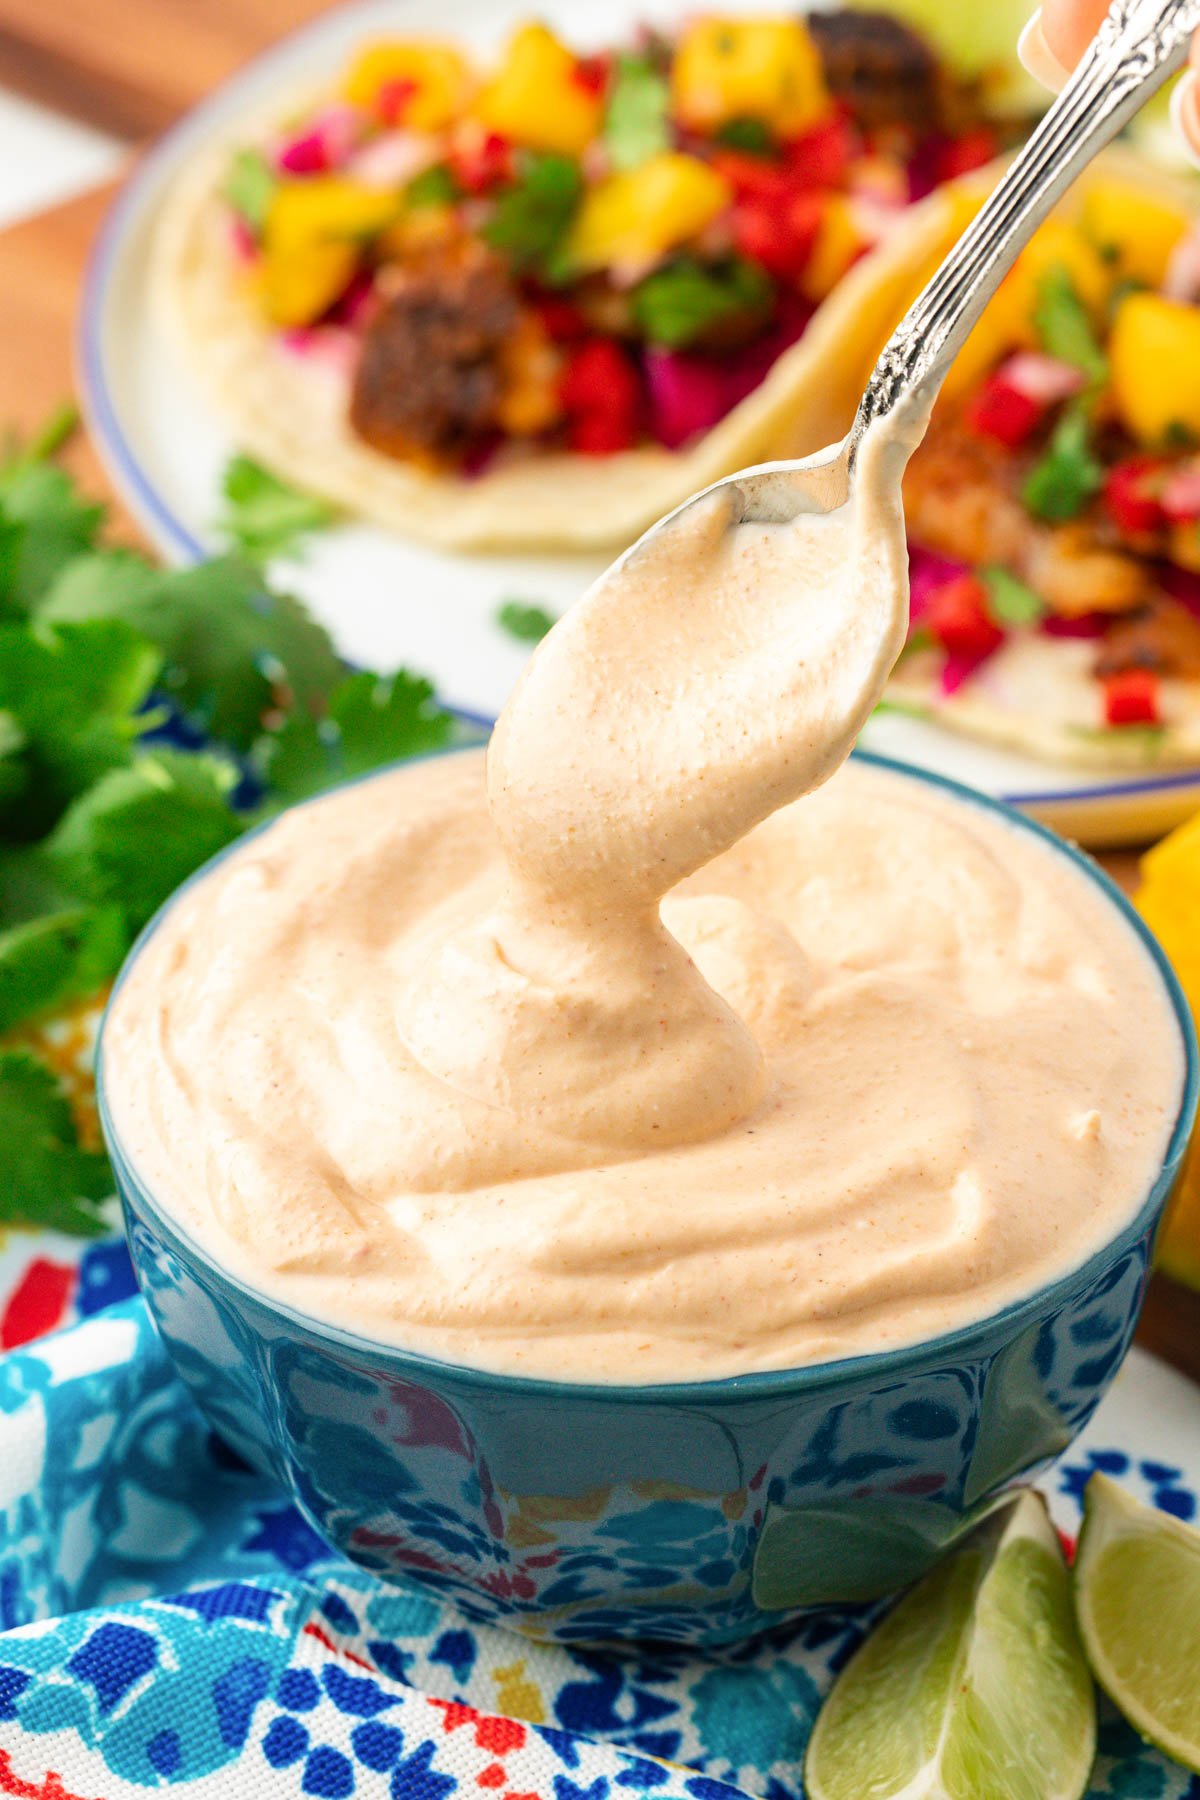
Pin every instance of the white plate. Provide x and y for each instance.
(388, 601)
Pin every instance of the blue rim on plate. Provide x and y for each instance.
(767, 1381)
(137, 486)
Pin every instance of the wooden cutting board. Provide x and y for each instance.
(129, 68)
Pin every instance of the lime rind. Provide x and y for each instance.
(1137, 1597)
(974, 1687)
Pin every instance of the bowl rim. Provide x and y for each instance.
(874, 1366)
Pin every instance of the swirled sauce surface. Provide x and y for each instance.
(646, 1051)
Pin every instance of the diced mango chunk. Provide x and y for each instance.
(839, 241)
(1008, 322)
(766, 69)
(311, 243)
(1154, 356)
(537, 97)
(1058, 245)
(1169, 902)
(298, 286)
(1132, 230)
(420, 83)
(639, 214)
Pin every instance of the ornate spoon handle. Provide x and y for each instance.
(1138, 46)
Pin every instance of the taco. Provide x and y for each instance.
(1053, 508)
(540, 304)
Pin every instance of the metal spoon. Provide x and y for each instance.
(1138, 46)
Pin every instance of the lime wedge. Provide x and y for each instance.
(1137, 1595)
(974, 1688)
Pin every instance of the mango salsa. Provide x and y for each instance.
(537, 97)
(311, 243)
(1133, 231)
(640, 214)
(1169, 902)
(1154, 355)
(839, 241)
(419, 83)
(764, 69)
(1008, 322)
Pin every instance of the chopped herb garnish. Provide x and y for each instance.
(102, 657)
(49, 1178)
(266, 516)
(433, 187)
(1061, 484)
(637, 122)
(532, 217)
(1065, 328)
(750, 136)
(249, 188)
(688, 302)
(1010, 601)
(526, 622)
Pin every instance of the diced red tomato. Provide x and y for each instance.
(591, 74)
(1181, 494)
(601, 434)
(391, 102)
(480, 164)
(601, 393)
(765, 233)
(1000, 411)
(957, 615)
(1133, 495)
(755, 177)
(822, 156)
(1131, 697)
(564, 322)
(971, 150)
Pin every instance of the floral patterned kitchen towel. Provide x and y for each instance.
(169, 1620)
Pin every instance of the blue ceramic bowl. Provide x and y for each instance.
(697, 1512)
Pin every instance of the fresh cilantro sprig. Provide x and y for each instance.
(266, 517)
(531, 217)
(1064, 326)
(1010, 601)
(637, 117)
(1061, 484)
(249, 188)
(1069, 474)
(524, 620)
(687, 302)
(103, 658)
(50, 1179)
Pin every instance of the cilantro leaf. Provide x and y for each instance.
(249, 188)
(636, 120)
(1064, 327)
(688, 302)
(44, 524)
(750, 136)
(1010, 601)
(46, 1177)
(381, 718)
(266, 517)
(1061, 484)
(48, 962)
(372, 720)
(140, 831)
(531, 218)
(433, 187)
(524, 620)
(73, 692)
(230, 647)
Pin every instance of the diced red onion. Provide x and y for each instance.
(1043, 379)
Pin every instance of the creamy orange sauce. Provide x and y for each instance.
(649, 1052)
